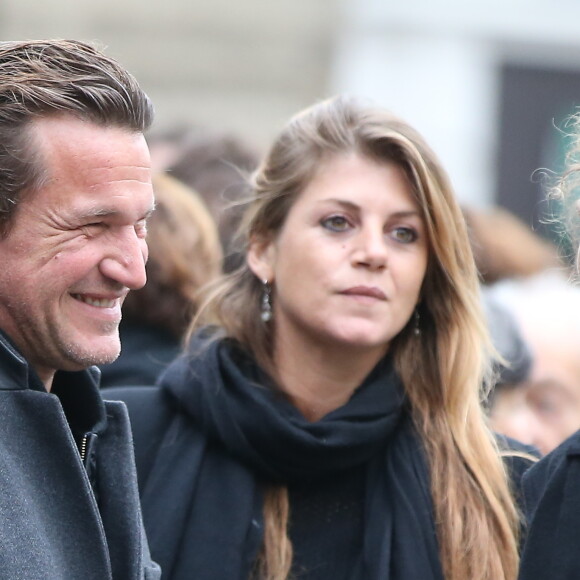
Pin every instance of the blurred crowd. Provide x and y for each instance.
(534, 317)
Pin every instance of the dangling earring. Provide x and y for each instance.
(266, 309)
(416, 325)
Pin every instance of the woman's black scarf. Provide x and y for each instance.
(233, 434)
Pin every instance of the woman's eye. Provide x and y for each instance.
(405, 235)
(336, 223)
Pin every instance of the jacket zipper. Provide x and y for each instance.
(88, 447)
(87, 451)
(84, 445)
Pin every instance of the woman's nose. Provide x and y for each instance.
(371, 249)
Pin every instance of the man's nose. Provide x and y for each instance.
(125, 261)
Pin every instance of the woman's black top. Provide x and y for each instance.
(215, 433)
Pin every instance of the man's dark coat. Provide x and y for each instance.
(62, 518)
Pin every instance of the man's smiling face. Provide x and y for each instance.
(77, 245)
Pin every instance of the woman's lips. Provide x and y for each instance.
(370, 291)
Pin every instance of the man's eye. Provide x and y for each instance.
(405, 235)
(336, 223)
(92, 228)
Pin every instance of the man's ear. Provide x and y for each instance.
(261, 257)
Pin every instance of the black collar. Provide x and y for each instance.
(78, 391)
(14, 369)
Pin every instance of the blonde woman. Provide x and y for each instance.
(329, 424)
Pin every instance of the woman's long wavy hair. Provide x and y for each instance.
(475, 515)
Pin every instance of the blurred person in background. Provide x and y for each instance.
(215, 164)
(505, 248)
(509, 410)
(547, 310)
(75, 194)
(330, 425)
(524, 276)
(184, 255)
(552, 486)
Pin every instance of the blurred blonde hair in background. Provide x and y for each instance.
(184, 255)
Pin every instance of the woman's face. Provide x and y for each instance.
(348, 264)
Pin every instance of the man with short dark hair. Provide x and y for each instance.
(75, 193)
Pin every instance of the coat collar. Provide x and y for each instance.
(78, 391)
(573, 445)
(14, 369)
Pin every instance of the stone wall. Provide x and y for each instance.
(244, 65)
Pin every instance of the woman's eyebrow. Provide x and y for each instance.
(403, 213)
(342, 202)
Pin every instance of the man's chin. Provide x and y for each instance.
(82, 358)
(107, 355)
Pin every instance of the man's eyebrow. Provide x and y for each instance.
(104, 212)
